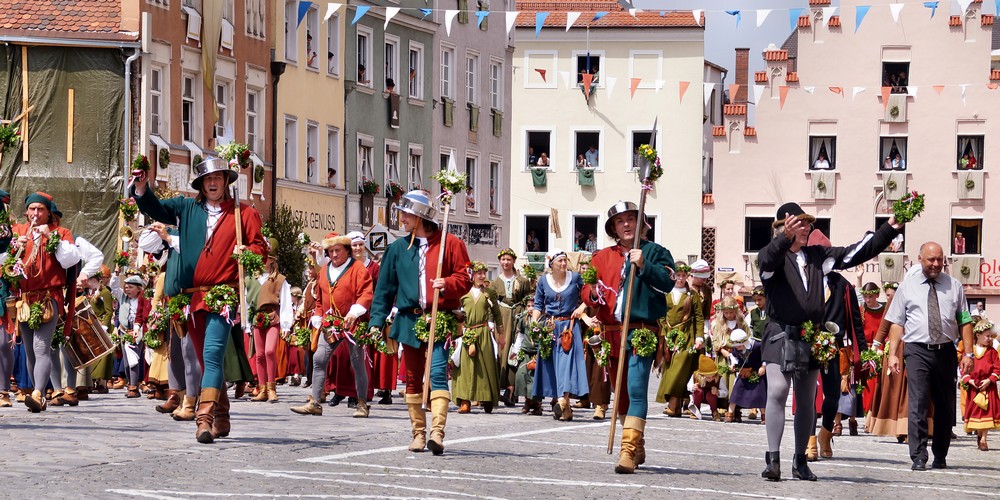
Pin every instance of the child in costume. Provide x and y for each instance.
(982, 403)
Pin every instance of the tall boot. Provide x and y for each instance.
(206, 415)
(825, 443)
(222, 424)
(261, 393)
(773, 470)
(631, 435)
(418, 420)
(439, 416)
(812, 454)
(186, 411)
(800, 469)
(272, 395)
(173, 401)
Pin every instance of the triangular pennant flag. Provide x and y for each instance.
(809, 89)
(660, 84)
(828, 12)
(571, 18)
(599, 15)
(425, 12)
(992, 86)
(859, 15)
(632, 12)
(911, 90)
(697, 15)
(331, 9)
(762, 15)
(610, 84)
(539, 22)
(634, 85)
(857, 90)
(588, 78)
(390, 12)
(565, 78)
(933, 6)
(964, 86)
(837, 90)
(708, 89)
(480, 16)
(511, 19)
(938, 88)
(895, 9)
(758, 90)
(303, 10)
(964, 4)
(541, 72)
(359, 13)
(885, 97)
(736, 14)
(782, 95)
(682, 87)
(449, 17)
(733, 89)
(793, 17)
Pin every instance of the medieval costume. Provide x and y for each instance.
(685, 322)
(475, 376)
(272, 313)
(514, 292)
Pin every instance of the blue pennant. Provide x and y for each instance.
(480, 15)
(303, 10)
(859, 15)
(604, 13)
(793, 17)
(362, 10)
(737, 15)
(427, 12)
(933, 6)
(539, 21)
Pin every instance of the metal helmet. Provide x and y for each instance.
(418, 202)
(617, 209)
(212, 165)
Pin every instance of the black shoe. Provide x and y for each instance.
(505, 398)
(919, 464)
(336, 399)
(352, 402)
(773, 470)
(800, 468)
(939, 464)
(386, 398)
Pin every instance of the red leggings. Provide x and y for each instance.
(265, 345)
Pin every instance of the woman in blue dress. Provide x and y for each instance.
(557, 302)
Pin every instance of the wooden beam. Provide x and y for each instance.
(69, 128)
(24, 103)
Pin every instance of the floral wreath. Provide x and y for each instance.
(541, 335)
(720, 307)
(222, 300)
(477, 266)
(643, 342)
(869, 292)
(508, 252)
(982, 326)
(683, 268)
(675, 339)
(446, 325)
(890, 285)
(723, 283)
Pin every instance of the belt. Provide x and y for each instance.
(632, 326)
(932, 347)
(205, 288)
(418, 311)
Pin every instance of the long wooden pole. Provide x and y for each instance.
(434, 309)
(241, 287)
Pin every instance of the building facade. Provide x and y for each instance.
(848, 122)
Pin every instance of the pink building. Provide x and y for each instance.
(846, 122)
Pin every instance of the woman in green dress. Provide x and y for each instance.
(685, 324)
(475, 376)
(512, 291)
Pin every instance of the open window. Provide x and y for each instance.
(898, 244)
(589, 63)
(967, 236)
(970, 152)
(651, 227)
(536, 233)
(896, 75)
(756, 233)
(892, 153)
(539, 148)
(639, 137)
(822, 152)
(585, 233)
(587, 149)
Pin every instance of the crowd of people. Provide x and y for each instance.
(551, 342)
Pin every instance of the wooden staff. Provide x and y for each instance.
(434, 309)
(241, 287)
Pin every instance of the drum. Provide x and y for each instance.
(89, 342)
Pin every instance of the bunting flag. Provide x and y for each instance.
(733, 89)
(697, 14)
(837, 90)
(911, 90)
(659, 84)
(303, 10)
(761, 16)
(541, 72)
(634, 85)
(793, 17)
(828, 12)
(857, 90)
(964, 4)
(810, 89)
(610, 84)
(587, 80)
(565, 78)
(682, 87)
(390, 12)
(511, 19)
(571, 18)
(449, 17)
(736, 14)
(895, 9)
(933, 6)
(359, 13)
(938, 88)
(885, 97)
(992, 86)
(539, 22)
(964, 86)
(708, 89)
(632, 12)
(758, 90)
(599, 15)
(782, 95)
(331, 9)
(480, 17)
(859, 15)
(427, 12)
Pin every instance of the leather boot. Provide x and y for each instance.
(825, 443)
(272, 396)
(773, 470)
(83, 393)
(172, 403)
(222, 424)
(65, 397)
(186, 411)
(812, 454)
(206, 415)
(418, 420)
(261, 393)
(5, 400)
(567, 413)
(362, 410)
(439, 416)
(600, 411)
(35, 401)
(630, 442)
(800, 469)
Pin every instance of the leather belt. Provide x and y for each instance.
(931, 347)
(205, 288)
(418, 311)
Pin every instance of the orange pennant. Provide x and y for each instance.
(837, 90)
(733, 89)
(683, 88)
(587, 80)
(634, 85)
(993, 86)
(885, 97)
(541, 72)
(782, 93)
(938, 89)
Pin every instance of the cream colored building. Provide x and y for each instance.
(552, 115)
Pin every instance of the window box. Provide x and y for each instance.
(970, 185)
(824, 185)
(966, 269)
(894, 184)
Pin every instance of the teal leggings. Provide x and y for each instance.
(638, 380)
(210, 336)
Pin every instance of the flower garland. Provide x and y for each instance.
(53, 244)
(753, 378)
(643, 342)
(13, 270)
(10, 134)
(872, 360)
(368, 186)
(178, 307)
(35, 315)
(128, 208)
(157, 325)
(262, 320)
(451, 182)
(301, 337)
(446, 325)
(253, 264)
(333, 324)
(824, 347)
(121, 260)
(120, 337)
(908, 208)
(237, 154)
(541, 336)
(222, 300)
(393, 190)
(722, 370)
(303, 239)
(675, 340)
(649, 154)
(603, 355)
(529, 272)
(589, 276)
(140, 164)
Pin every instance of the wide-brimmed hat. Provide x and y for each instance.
(707, 367)
(211, 166)
(792, 209)
(334, 238)
(418, 202)
(701, 269)
(617, 209)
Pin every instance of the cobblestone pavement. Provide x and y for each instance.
(116, 447)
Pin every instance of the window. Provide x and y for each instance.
(291, 23)
(391, 173)
(222, 103)
(256, 12)
(188, 108)
(229, 12)
(892, 153)
(496, 185)
(463, 11)
(366, 171)
(587, 150)
(822, 224)
(496, 85)
(416, 71)
(312, 29)
(651, 228)
(967, 233)
(333, 45)
(483, 6)
(471, 184)
(415, 167)
(364, 56)
(539, 148)
(291, 148)
(447, 164)
(332, 157)
(391, 61)
(155, 99)
(312, 153)
(585, 233)
(447, 72)
(970, 152)
(896, 75)
(587, 63)
(253, 121)
(471, 77)
(160, 3)
(645, 65)
(898, 244)
(536, 230)
(822, 153)
(639, 137)
(756, 233)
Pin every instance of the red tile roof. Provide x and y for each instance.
(616, 16)
(955, 21)
(707, 199)
(750, 131)
(775, 55)
(804, 22)
(760, 76)
(834, 22)
(80, 19)
(819, 2)
(994, 74)
(792, 76)
(734, 109)
(719, 131)
(987, 20)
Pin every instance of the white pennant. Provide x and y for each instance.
(857, 90)
(331, 8)
(964, 87)
(449, 16)
(697, 15)
(758, 90)
(894, 8)
(390, 12)
(708, 88)
(571, 18)
(828, 12)
(611, 81)
(762, 15)
(809, 89)
(632, 12)
(911, 90)
(511, 19)
(964, 4)
(565, 78)
(659, 84)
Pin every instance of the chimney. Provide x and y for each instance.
(742, 75)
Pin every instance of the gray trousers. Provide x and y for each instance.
(38, 351)
(778, 384)
(62, 378)
(6, 359)
(183, 371)
(322, 358)
(134, 373)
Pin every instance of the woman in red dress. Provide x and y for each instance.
(871, 315)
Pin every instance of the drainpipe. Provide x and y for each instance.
(277, 69)
(126, 165)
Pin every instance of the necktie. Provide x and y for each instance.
(934, 314)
